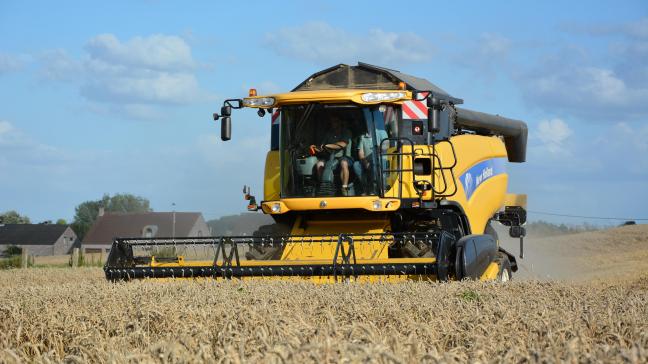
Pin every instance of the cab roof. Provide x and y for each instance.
(369, 77)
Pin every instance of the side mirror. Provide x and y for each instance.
(433, 116)
(226, 128)
(517, 231)
(226, 110)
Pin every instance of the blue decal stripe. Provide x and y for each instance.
(481, 172)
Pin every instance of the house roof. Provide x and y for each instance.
(31, 234)
(131, 224)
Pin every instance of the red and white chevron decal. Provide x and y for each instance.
(413, 109)
(275, 117)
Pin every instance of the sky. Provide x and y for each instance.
(117, 96)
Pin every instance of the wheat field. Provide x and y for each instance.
(74, 315)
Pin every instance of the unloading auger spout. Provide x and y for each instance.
(515, 132)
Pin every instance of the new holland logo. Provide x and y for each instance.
(486, 173)
(480, 173)
(468, 183)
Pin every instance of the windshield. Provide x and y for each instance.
(331, 150)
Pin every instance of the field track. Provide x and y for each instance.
(617, 253)
(74, 315)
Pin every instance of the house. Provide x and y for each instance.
(111, 225)
(38, 239)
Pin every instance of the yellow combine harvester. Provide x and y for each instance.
(372, 174)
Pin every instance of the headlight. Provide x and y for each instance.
(376, 205)
(382, 96)
(259, 102)
(276, 208)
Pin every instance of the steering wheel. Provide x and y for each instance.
(314, 150)
(332, 150)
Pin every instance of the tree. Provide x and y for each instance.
(126, 203)
(243, 224)
(12, 217)
(61, 222)
(86, 213)
(13, 250)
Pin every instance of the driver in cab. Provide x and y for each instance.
(337, 142)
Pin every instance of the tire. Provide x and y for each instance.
(258, 251)
(505, 274)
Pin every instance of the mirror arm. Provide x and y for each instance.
(226, 117)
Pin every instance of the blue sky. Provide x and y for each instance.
(114, 97)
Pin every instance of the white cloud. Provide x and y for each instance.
(576, 82)
(632, 68)
(133, 77)
(494, 45)
(320, 42)
(593, 153)
(626, 142)
(156, 52)
(143, 112)
(589, 84)
(133, 111)
(17, 148)
(10, 62)
(59, 66)
(233, 153)
(160, 88)
(567, 167)
(485, 54)
(585, 91)
(201, 174)
(5, 128)
(10, 137)
(553, 134)
(635, 29)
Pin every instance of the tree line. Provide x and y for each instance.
(86, 213)
(545, 228)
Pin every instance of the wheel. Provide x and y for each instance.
(504, 274)
(260, 251)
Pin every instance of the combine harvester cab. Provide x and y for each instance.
(372, 174)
